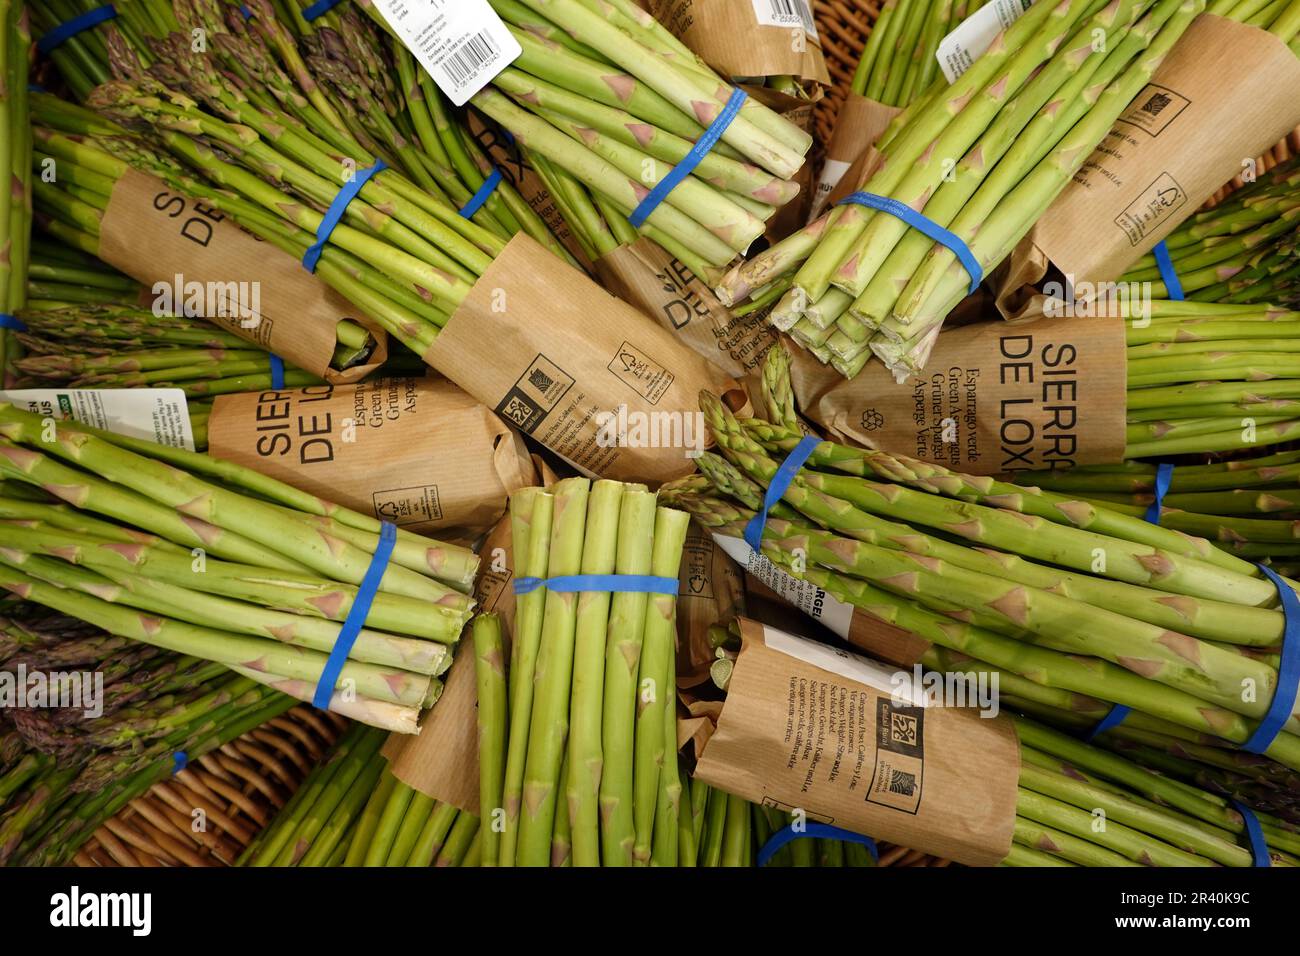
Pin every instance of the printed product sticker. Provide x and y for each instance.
(159, 415)
(966, 44)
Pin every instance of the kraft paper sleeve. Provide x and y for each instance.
(994, 398)
(808, 727)
(727, 35)
(859, 124)
(648, 277)
(159, 236)
(712, 590)
(442, 761)
(1227, 91)
(418, 452)
(577, 369)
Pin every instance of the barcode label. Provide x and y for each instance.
(475, 54)
(462, 44)
(967, 43)
(786, 13)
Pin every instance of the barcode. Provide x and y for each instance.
(792, 12)
(901, 782)
(470, 58)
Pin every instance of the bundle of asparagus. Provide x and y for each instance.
(1242, 250)
(1162, 622)
(132, 348)
(208, 558)
(899, 62)
(982, 158)
(15, 158)
(61, 775)
(1248, 506)
(613, 98)
(352, 811)
(587, 707)
(1279, 17)
(59, 276)
(1208, 377)
(1151, 820)
(71, 206)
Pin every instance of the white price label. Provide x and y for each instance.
(462, 44)
(786, 13)
(808, 598)
(833, 171)
(966, 44)
(898, 683)
(159, 415)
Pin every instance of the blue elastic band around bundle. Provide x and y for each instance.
(248, 14)
(8, 321)
(180, 760)
(477, 200)
(777, 488)
(277, 372)
(318, 9)
(1114, 718)
(1164, 478)
(70, 28)
(1254, 833)
(624, 583)
(1288, 671)
(356, 618)
(692, 159)
(926, 227)
(819, 831)
(334, 214)
(1168, 275)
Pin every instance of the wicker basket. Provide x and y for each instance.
(239, 788)
(843, 26)
(1278, 154)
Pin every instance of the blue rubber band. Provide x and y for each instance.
(623, 583)
(1288, 671)
(248, 14)
(1164, 478)
(1254, 833)
(70, 28)
(778, 487)
(1169, 275)
(477, 200)
(277, 372)
(821, 831)
(8, 321)
(180, 760)
(1117, 715)
(927, 227)
(35, 88)
(356, 618)
(692, 159)
(334, 214)
(318, 9)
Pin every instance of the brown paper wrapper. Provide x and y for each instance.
(806, 727)
(154, 234)
(860, 123)
(727, 35)
(993, 399)
(418, 452)
(442, 762)
(650, 278)
(712, 591)
(554, 354)
(1227, 91)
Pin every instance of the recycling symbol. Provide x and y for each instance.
(872, 420)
